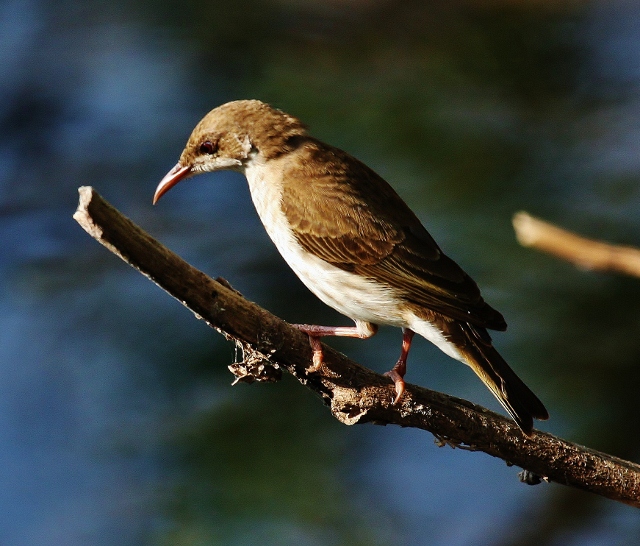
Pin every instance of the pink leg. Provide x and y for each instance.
(364, 330)
(397, 372)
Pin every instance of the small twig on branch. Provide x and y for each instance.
(355, 394)
(585, 253)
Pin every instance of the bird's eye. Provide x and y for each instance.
(208, 147)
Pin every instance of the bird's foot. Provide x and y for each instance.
(318, 357)
(397, 372)
(398, 380)
(314, 333)
(362, 330)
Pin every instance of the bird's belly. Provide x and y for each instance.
(352, 295)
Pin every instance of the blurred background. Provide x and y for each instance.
(118, 424)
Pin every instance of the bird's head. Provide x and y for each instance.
(229, 136)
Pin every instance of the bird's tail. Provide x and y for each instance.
(502, 381)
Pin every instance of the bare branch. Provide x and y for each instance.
(355, 394)
(585, 253)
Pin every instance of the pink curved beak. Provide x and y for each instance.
(174, 176)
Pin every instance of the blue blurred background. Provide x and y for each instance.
(118, 424)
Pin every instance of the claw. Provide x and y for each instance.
(397, 372)
(318, 357)
(399, 383)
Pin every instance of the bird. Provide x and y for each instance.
(355, 244)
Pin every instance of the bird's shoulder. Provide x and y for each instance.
(327, 192)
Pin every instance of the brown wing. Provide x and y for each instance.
(373, 233)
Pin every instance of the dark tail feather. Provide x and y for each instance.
(501, 380)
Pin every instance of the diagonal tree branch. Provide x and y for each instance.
(354, 394)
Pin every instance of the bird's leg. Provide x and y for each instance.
(363, 330)
(397, 372)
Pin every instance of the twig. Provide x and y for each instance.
(584, 253)
(355, 394)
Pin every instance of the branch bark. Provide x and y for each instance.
(354, 394)
(583, 252)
